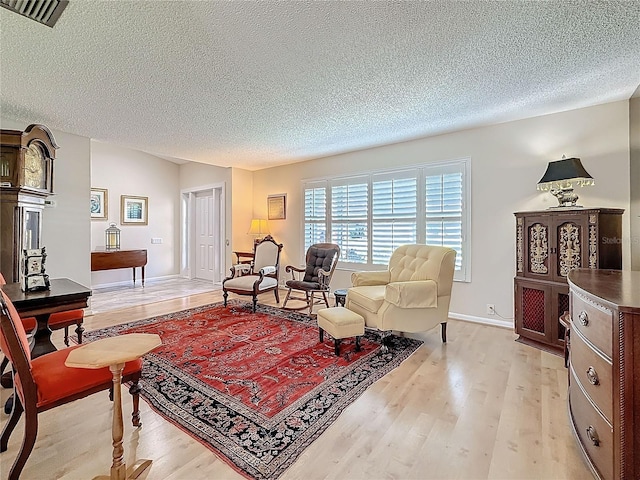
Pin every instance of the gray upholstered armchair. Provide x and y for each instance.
(320, 263)
(260, 276)
(413, 295)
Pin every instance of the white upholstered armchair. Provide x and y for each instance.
(413, 295)
(259, 277)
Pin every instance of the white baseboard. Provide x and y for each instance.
(483, 320)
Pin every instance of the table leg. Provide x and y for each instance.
(134, 276)
(118, 466)
(143, 275)
(42, 337)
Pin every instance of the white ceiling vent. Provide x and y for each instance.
(46, 12)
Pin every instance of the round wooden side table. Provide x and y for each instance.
(114, 352)
(341, 296)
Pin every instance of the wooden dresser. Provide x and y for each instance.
(604, 369)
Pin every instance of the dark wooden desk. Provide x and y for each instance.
(119, 259)
(248, 256)
(63, 295)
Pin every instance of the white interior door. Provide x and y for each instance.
(205, 236)
(203, 243)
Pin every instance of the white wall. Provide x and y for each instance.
(123, 171)
(634, 145)
(507, 160)
(65, 228)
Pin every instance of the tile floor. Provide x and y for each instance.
(155, 290)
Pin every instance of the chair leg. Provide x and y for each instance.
(224, 296)
(16, 413)
(336, 342)
(310, 302)
(255, 303)
(135, 393)
(321, 334)
(286, 299)
(30, 434)
(79, 331)
(66, 336)
(326, 300)
(358, 348)
(384, 335)
(277, 294)
(443, 331)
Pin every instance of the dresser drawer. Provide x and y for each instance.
(593, 322)
(594, 373)
(594, 432)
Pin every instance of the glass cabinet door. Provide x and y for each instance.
(32, 227)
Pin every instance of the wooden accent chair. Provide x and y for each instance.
(45, 382)
(321, 261)
(260, 276)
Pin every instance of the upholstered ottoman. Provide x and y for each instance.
(340, 323)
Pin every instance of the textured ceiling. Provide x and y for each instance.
(260, 84)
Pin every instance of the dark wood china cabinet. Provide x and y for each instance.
(549, 244)
(26, 180)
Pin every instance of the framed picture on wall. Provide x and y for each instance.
(277, 206)
(99, 203)
(134, 210)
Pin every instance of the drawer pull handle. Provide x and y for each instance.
(592, 376)
(593, 436)
(584, 318)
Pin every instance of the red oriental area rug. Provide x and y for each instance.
(257, 388)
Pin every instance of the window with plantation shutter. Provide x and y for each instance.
(370, 215)
(349, 219)
(393, 214)
(315, 214)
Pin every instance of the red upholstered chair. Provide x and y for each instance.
(45, 382)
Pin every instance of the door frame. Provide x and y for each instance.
(188, 229)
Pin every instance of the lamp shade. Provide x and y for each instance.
(258, 226)
(560, 178)
(566, 169)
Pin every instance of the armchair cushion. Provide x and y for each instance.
(369, 297)
(47, 370)
(302, 285)
(413, 294)
(246, 283)
(359, 279)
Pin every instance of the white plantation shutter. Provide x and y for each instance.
(349, 218)
(315, 214)
(370, 215)
(444, 209)
(394, 213)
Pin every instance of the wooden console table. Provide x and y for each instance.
(119, 259)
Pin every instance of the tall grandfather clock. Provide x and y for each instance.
(26, 180)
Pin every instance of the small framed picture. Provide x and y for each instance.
(99, 203)
(277, 206)
(134, 210)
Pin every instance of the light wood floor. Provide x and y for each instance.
(480, 406)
